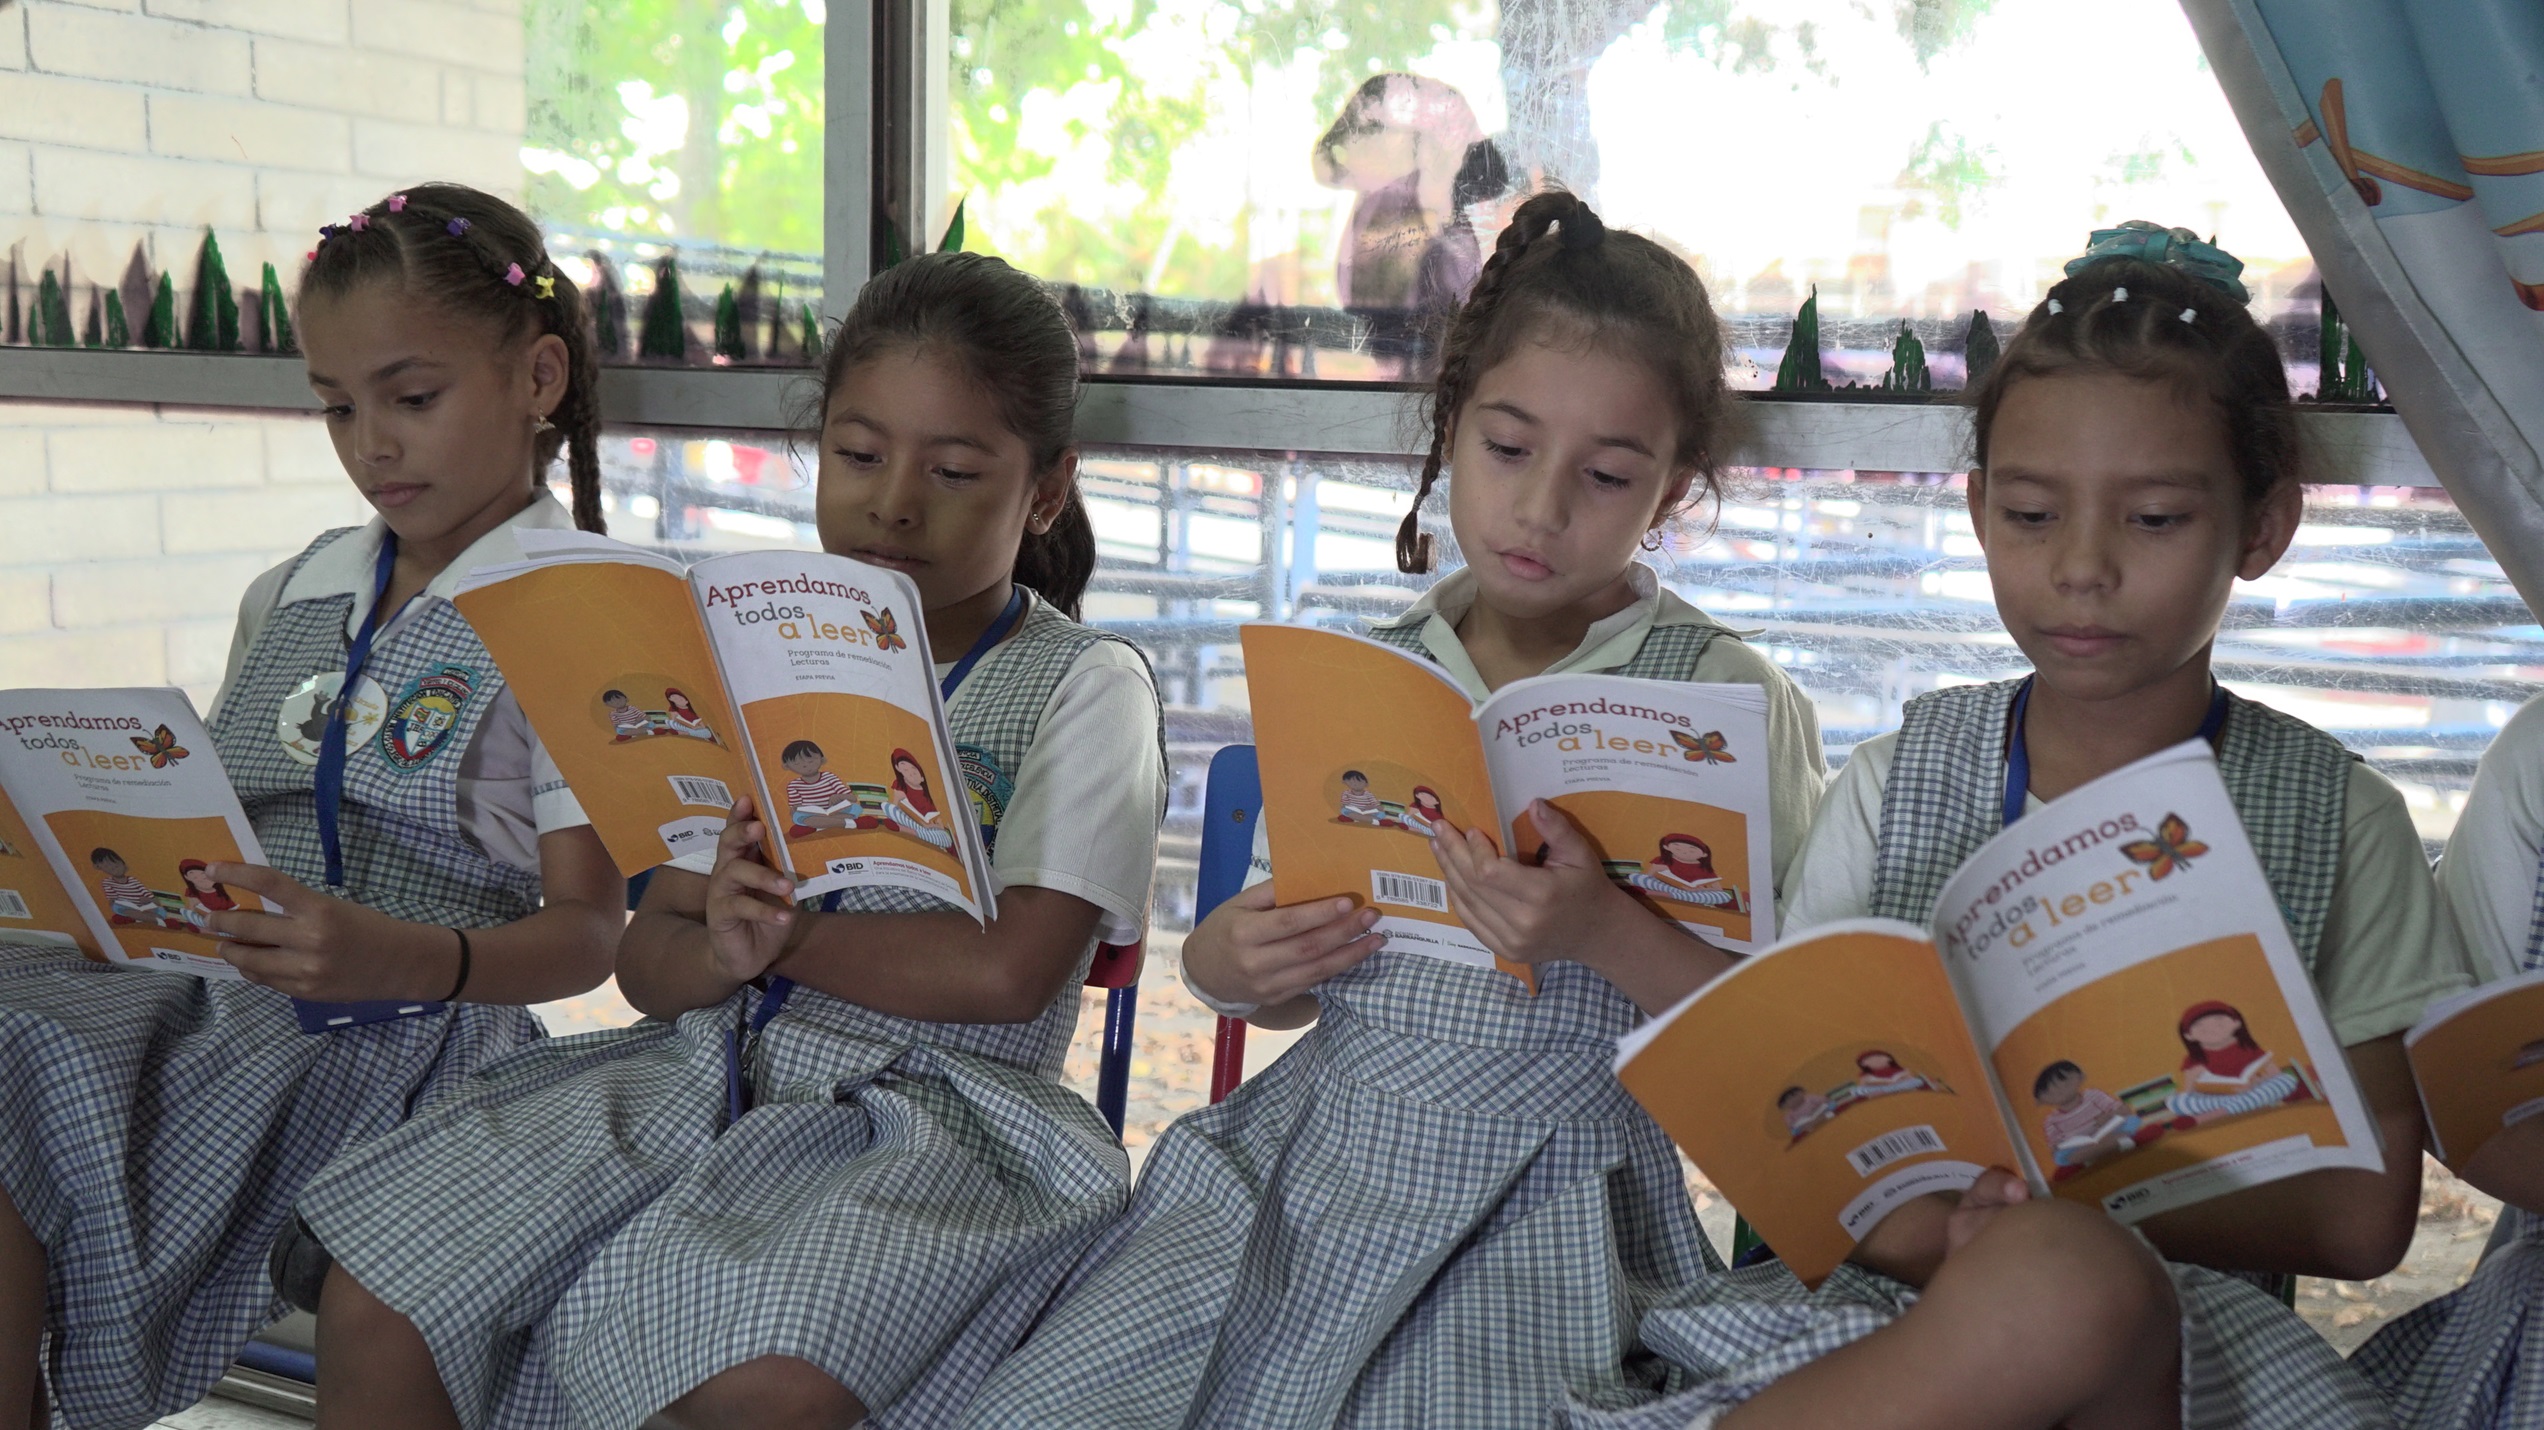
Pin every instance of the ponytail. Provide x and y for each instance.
(1057, 563)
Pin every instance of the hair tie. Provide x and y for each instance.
(2120, 295)
(326, 231)
(547, 285)
(2190, 315)
(456, 227)
(359, 223)
(2175, 248)
(2056, 307)
(512, 273)
(397, 203)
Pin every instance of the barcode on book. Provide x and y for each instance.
(13, 907)
(1892, 1146)
(698, 789)
(1411, 891)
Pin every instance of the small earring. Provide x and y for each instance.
(539, 424)
(1653, 540)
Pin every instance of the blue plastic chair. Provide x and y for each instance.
(1231, 802)
(1116, 967)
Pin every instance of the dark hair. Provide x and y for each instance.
(1013, 340)
(613, 695)
(799, 749)
(101, 854)
(2199, 1011)
(1787, 1095)
(2126, 316)
(2052, 1073)
(455, 246)
(1621, 291)
(1355, 775)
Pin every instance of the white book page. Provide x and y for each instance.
(797, 631)
(1668, 777)
(122, 791)
(2120, 954)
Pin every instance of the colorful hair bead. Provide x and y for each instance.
(2190, 315)
(397, 203)
(547, 286)
(359, 223)
(2056, 307)
(456, 227)
(2120, 295)
(513, 275)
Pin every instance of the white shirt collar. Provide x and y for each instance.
(346, 566)
(1611, 641)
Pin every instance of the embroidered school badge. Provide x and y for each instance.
(423, 718)
(990, 788)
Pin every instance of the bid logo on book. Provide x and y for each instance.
(422, 720)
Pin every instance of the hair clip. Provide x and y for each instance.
(359, 223)
(326, 231)
(2119, 295)
(456, 227)
(2056, 307)
(397, 203)
(310, 257)
(2190, 315)
(512, 273)
(547, 286)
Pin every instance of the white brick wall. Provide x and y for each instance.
(128, 533)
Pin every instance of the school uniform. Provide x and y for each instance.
(2474, 1359)
(586, 1231)
(2343, 858)
(1439, 1207)
(159, 1126)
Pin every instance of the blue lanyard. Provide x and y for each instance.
(2018, 753)
(774, 1000)
(331, 745)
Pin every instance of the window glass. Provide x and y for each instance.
(1281, 187)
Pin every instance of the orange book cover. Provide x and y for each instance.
(1366, 749)
(2479, 1060)
(2105, 1002)
(115, 809)
(801, 678)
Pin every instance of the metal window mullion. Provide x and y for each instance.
(850, 75)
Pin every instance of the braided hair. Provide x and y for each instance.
(479, 257)
(2148, 312)
(1558, 267)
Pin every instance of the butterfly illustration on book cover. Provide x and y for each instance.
(2172, 848)
(1709, 748)
(161, 746)
(886, 629)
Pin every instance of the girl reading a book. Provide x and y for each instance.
(2135, 457)
(1683, 870)
(1353, 1235)
(204, 895)
(1423, 815)
(912, 810)
(2474, 1359)
(449, 867)
(2224, 1072)
(1878, 1074)
(685, 719)
(835, 1172)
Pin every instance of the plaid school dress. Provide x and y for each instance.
(2247, 1360)
(1438, 1208)
(2474, 1359)
(159, 1126)
(583, 1234)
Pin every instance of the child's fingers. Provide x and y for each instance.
(1272, 925)
(257, 879)
(1997, 1187)
(253, 926)
(1341, 960)
(756, 877)
(1565, 844)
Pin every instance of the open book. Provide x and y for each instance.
(2479, 1060)
(1364, 748)
(800, 678)
(2107, 1003)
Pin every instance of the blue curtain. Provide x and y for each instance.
(2406, 138)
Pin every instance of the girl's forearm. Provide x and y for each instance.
(663, 965)
(560, 951)
(2511, 1165)
(943, 967)
(1652, 960)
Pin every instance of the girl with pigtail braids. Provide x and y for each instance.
(432, 873)
(1440, 1208)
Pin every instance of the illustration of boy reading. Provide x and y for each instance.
(204, 897)
(1804, 1111)
(128, 900)
(2224, 1072)
(815, 798)
(1878, 1074)
(2085, 1124)
(1425, 816)
(1359, 805)
(681, 717)
(1683, 871)
(626, 721)
(912, 811)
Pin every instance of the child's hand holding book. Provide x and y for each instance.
(750, 906)
(1250, 953)
(323, 949)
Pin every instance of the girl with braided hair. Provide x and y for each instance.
(2135, 458)
(1440, 1208)
(425, 853)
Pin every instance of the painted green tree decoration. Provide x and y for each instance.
(1907, 363)
(609, 306)
(728, 326)
(1800, 371)
(274, 315)
(160, 331)
(213, 325)
(1979, 350)
(664, 335)
(118, 331)
(812, 335)
(50, 324)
